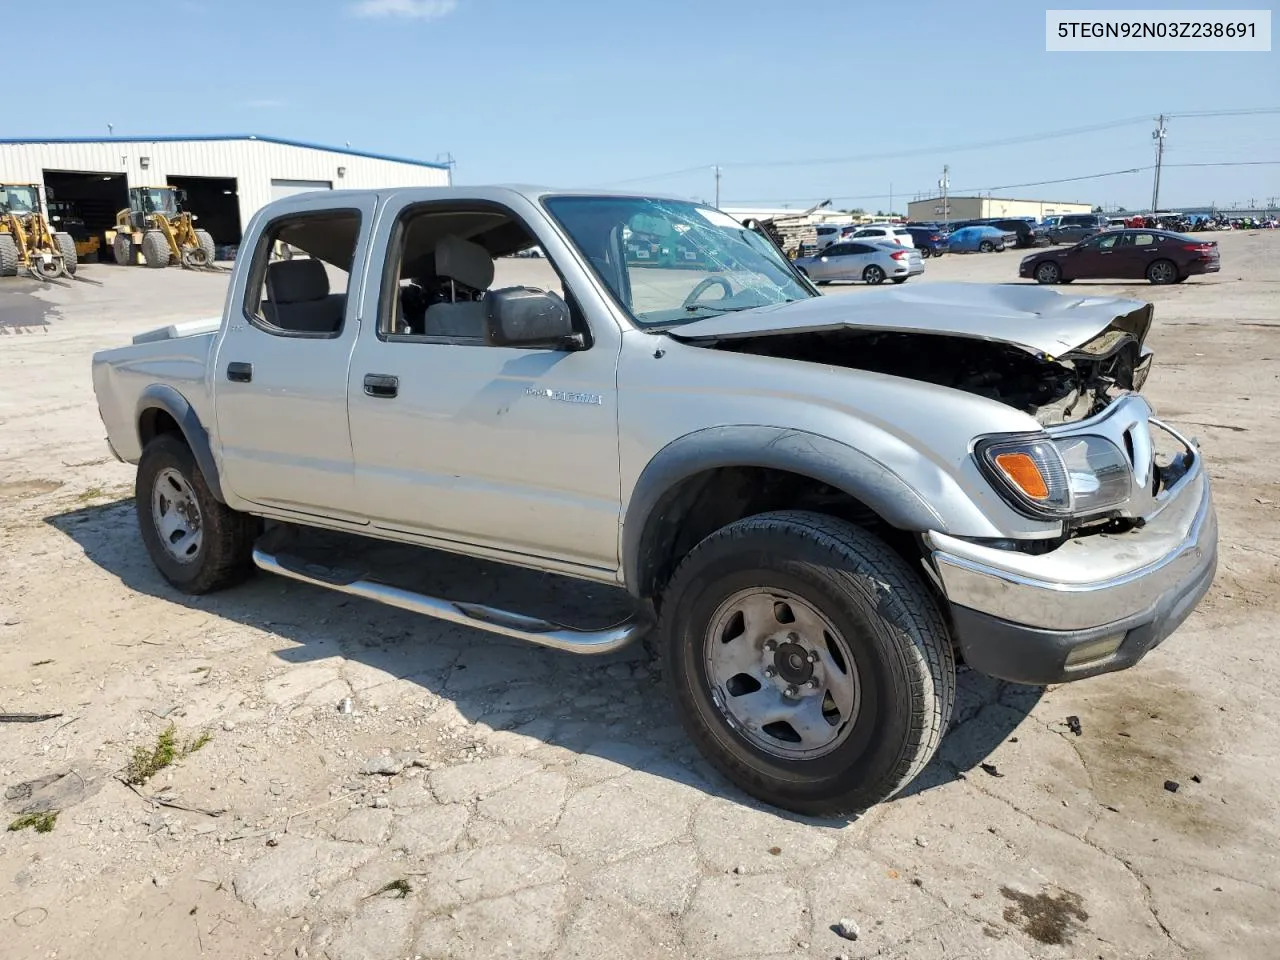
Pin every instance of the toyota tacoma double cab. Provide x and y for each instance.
(817, 504)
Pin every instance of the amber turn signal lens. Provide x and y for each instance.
(1021, 469)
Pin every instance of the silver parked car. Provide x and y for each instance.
(871, 261)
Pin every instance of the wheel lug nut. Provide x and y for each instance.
(811, 657)
(770, 672)
(813, 683)
(793, 637)
(791, 692)
(770, 646)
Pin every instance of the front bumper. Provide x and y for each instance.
(1094, 605)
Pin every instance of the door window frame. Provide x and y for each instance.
(256, 279)
(389, 278)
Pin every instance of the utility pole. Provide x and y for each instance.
(1158, 136)
(891, 198)
(716, 168)
(945, 183)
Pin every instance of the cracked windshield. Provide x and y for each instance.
(671, 262)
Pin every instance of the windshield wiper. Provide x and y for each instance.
(694, 307)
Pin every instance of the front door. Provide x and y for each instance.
(505, 449)
(280, 374)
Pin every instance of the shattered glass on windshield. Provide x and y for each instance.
(670, 262)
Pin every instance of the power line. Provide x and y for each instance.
(926, 151)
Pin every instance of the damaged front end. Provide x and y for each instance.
(1054, 390)
(1055, 358)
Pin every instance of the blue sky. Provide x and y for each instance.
(577, 93)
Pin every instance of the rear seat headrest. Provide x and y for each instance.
(464, 261)
(297, 281)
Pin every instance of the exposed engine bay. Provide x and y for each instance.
(1051, 389)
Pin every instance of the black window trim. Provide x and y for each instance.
(256, 283)
(391, 270)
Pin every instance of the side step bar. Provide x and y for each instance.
(490, 619)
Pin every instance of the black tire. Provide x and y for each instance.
(122, 250)
(1162, 271)
(986, 246)
(8, 256)
(224, 554)
(1182, 279)
(205, 239)
(898, 642)
(1048, 272)
(67, 246)
(873, 275)
(155, 249)
(899, 279)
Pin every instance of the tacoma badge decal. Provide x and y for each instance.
(565, 396)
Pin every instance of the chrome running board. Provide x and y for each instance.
(490, 619)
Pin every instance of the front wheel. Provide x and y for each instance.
(873, 275)
(155, 249)
(809, 663)
(1048, 273)
(67, 247)
(197, 543)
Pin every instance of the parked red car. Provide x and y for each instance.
(1158, 256)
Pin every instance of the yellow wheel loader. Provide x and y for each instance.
(26, 242)
(156, 228)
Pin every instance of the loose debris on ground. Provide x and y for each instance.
(145, 763)
(39, 822)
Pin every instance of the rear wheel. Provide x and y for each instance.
(122, 250)
(809, 662)
(155, 249)
(198, 544)
(986, 246)
(8, 256)
(1048, 273)
(1162, 271)
(873, 275)
(67, 245)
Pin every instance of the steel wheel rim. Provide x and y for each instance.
(781, 675)
(176, 515)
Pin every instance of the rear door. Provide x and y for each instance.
(1139, 250)
(280, 373)
(851, 261)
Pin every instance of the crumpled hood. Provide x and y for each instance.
(1038, 320)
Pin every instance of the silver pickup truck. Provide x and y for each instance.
(819, 504)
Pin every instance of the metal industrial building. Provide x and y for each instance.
(227, 178)
(981, 208)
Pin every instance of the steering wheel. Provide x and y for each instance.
(706, 284)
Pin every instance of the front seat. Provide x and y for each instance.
(460, 262)
(298, 297)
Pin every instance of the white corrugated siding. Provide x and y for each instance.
(253, 163)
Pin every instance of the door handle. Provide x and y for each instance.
(381, 385)
(240, 372)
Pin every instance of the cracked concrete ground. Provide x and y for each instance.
(490, 800)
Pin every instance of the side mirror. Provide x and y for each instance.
(525, 317)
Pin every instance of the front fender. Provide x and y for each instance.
(160, 396)
(820, 458)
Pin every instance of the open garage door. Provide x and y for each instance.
(287, 188)
(86, 205)
(216, 202)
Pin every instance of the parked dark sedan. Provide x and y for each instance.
(1156, 255)
(930, 241)
(1029, 235)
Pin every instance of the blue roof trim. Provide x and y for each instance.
(10, 141)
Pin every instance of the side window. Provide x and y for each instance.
(1144, 240)
(443, 262)
(1108, 241)
(301, 269)
(838, 249)
(859, 248)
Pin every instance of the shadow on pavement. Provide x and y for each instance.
(613, 707)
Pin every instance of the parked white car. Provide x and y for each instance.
(892, 232)
(871, 261)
